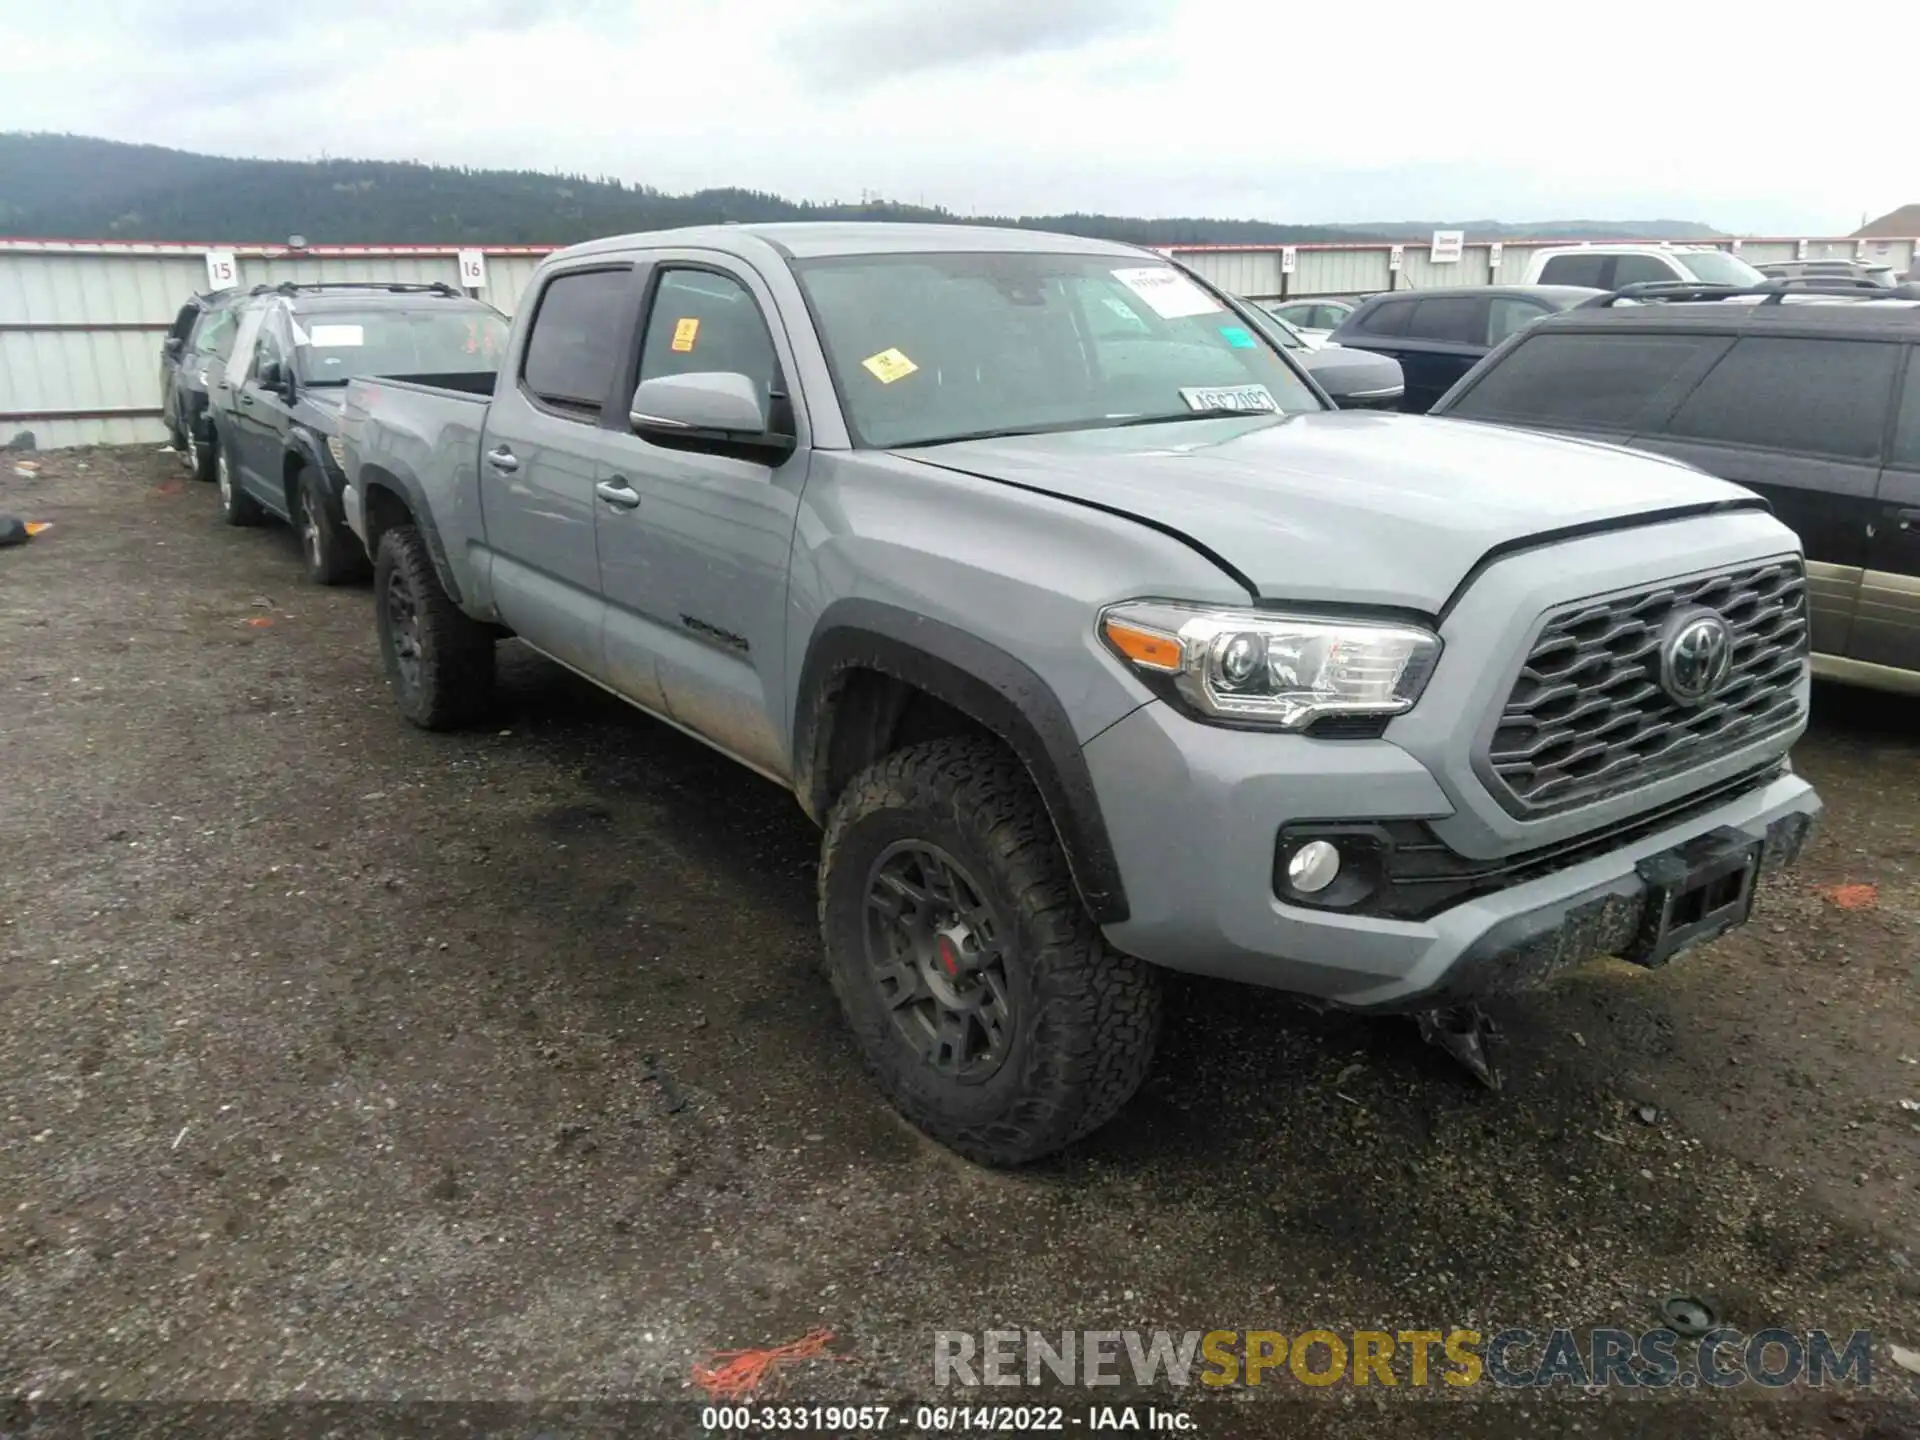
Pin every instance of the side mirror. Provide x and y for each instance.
(272, 376)
(1371, 388)
(714, 406)
(174, 344)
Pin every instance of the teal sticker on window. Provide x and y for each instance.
(1237, 337)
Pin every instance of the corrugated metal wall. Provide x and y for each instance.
(81, 323)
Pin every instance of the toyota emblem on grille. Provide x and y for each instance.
(1696, 656)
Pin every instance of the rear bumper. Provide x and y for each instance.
(1195, 813)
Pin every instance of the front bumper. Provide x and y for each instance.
(1194, 813)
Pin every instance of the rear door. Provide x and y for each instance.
(544, 440)
(1803, 422)
(694, 556)
(1887, 626)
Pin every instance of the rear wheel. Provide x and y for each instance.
(982, 994)
(440, 660)
(332, 553)
(236, 506)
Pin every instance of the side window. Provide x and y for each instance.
(1459, 319)
(1510, 316)
(579, 341)
(1640, 270)
(1906, 431)
(215, 334)
(1575, 270)
(705, 321)
(1812, 397)
(1598, 381)
(1387, 318)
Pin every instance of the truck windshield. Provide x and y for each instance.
(933, 348)
(1716, 267)
(332, 347)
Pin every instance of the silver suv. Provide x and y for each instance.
(1096, 643)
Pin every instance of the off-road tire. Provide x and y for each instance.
(1085, 1016)
(452, 683)
(331, 552)
(237, 507)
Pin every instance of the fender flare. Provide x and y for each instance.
(990, 686)
(415, 499)
(310, 448)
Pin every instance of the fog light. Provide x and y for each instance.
(1313, 866)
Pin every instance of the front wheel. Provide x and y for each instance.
(982, 994)
(439, 659)
(332, 553)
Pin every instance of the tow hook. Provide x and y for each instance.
(1464, 1032)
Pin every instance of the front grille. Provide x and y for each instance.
(1587, 716)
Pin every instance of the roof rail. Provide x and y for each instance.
(1770, 293)
(295, 287)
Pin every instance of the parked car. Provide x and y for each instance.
(1612, 267)
(1439, 335)
(192, 356)
(1816, 407)
(278, 406)
(1353, 379)
(1316, 319)
(1098, 649)
(1880, 275)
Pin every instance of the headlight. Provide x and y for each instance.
(338, 451)
(1279, 671)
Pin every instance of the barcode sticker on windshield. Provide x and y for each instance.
(326, 337)
(1171, 294)
(1241, 399)
(889, 366)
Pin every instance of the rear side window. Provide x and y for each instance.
(1387, 318)
(1599, 381)
(1511, 316)
(579, 341)
(1906, 432)
(1640, 270)
(1575, 270)
(1456, 318)
(1810, 397)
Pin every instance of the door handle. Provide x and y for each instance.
(618, 492)
(245, 398)
(1909, 519)
(503, 460)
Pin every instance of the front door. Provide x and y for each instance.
(543, 444)
(256, 415)
(1887, 626)
(694, 564)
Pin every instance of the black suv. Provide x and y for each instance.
(195, 349)
(1814, 404)
(275, 416)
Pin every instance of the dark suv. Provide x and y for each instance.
(277, 412)
(1439, 335)
(195, 349)
(1816, 406)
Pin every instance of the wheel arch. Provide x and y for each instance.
(389, 498)
(867, 661)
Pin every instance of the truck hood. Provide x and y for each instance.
(1346, 507)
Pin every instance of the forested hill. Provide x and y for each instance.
(75, 187)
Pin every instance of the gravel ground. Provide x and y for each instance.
(347, 1061)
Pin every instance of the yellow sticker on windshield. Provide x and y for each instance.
(685, 332)
(889, 366)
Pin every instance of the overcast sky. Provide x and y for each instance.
(1295, 112)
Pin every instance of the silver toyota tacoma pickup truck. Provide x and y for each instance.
(1097, 643)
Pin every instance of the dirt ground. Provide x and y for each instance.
(341, 1060)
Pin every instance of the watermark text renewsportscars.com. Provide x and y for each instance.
(1721, 1359)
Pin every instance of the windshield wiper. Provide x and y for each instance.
(1215, 412)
